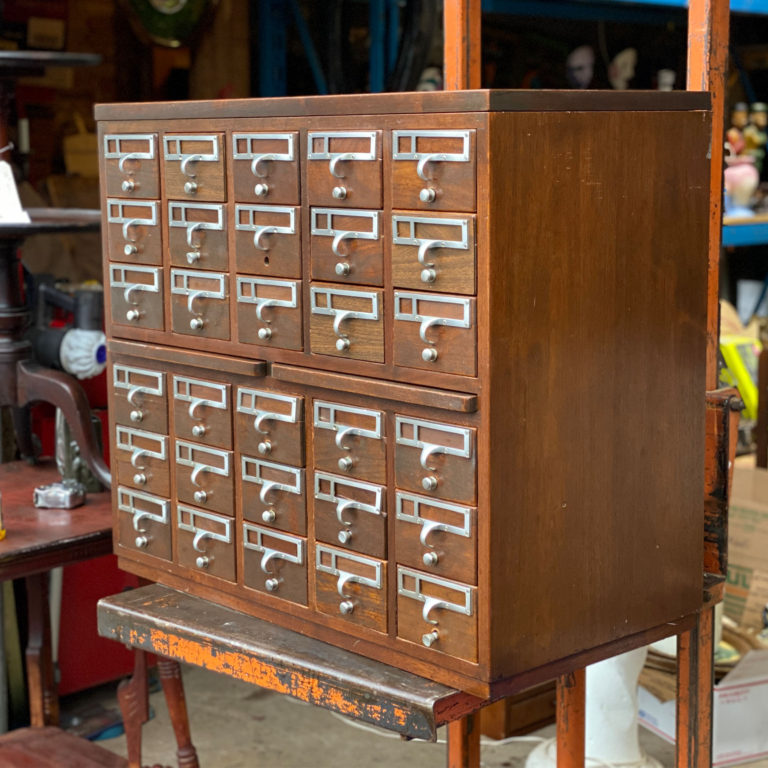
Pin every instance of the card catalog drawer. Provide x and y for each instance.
(202, 411)
(139, 397)
(346, 323)
(434, 170)
(131, 165)
(266, 167)
(350, 440)
(351, 587)
(437, 613)
(194, 167)
(137, 296)
(269, 312)
(274, 494)
(270, 424)
(437, 458)
(275, 563)
(197, 235)
(200, 303)
(133, 231)
(344, 168)
(205, 542)
(433, 252)
(436, 332)
(436, 536)
(142, 460)
(144, 522)
(268, 240)
(204, 476)
(346, 245)
(351, 513)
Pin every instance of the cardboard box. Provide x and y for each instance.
(746, 590)
(739, 709)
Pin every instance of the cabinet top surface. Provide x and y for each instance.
(430, 101)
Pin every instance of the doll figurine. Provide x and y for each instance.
(734, 136)
(622, 69)
(755, 136)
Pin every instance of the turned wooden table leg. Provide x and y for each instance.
(43, 699)
(464, 742)
(173, 688)
(571, 713)
(133, 696)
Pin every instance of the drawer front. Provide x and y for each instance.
(273, 494)
(202, 411)
(205, 542)
(434, 170)
(269, 312)
(197, 235)
(140, 398)
(270, 425)
(346, 323)
(275, 563)
(436, 332)
(133, 231)
(350, 441)
(137, 296)
(142, 460)
(351, 587)
(144, 522)
(194, 167)
(350, 513)
(268, 240)
(346, 245)
(433, 252)
(437, 613)
(435, 458)
(436, 536)
(200, 303)
(131, 165)
(344, 168)
(266, 167)
(204, 477)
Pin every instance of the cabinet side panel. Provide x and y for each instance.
(598, 316)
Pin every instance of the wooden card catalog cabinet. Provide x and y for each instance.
(421, 374)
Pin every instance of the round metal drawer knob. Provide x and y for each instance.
(136, 416)
(132, 315)
(346, 607)
(142, 542)
(196, 323)
(264, 448)
(430, 638)
(198, 430)
(193, 256)
(129, 185)
(261, 190)
(201, 497)
(130, 249)
(430, 558)
(428, 275)
(203, 561)
(339, 193)
(265, 333)
(140, 478)
(429, 483)
(342, 269)
(343, 345)
(429, 354)
(268, 516)
(346, 463)
(345, 537)
(272, 584)
(427, 195)
(190, 187)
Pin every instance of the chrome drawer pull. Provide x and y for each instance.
(427, 525)
(264, 415)
(117, 153)
(347, 605)
(334, 496)
(340, 315)
(257, 158)
(430, 603)
(335, 411)
(127, 501)
(259, 230)
(424, 158)
(269, 553)
(116, 215)
(182, 391)
(125, 437)
(324, 152)
(252, 469)
(428, 449)
(121, 379)
(172, 146)
(201, 534)
(119, 278)
(185, 456)
(180, 280)
(426, 322)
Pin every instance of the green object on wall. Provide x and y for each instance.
(172, 23)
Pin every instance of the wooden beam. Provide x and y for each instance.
(461, 44)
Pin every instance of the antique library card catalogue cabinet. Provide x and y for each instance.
(421, 375)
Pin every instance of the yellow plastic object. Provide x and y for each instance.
(740, 355)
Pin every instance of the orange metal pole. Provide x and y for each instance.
(571, 714)
(464, 742)
(461, 44)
